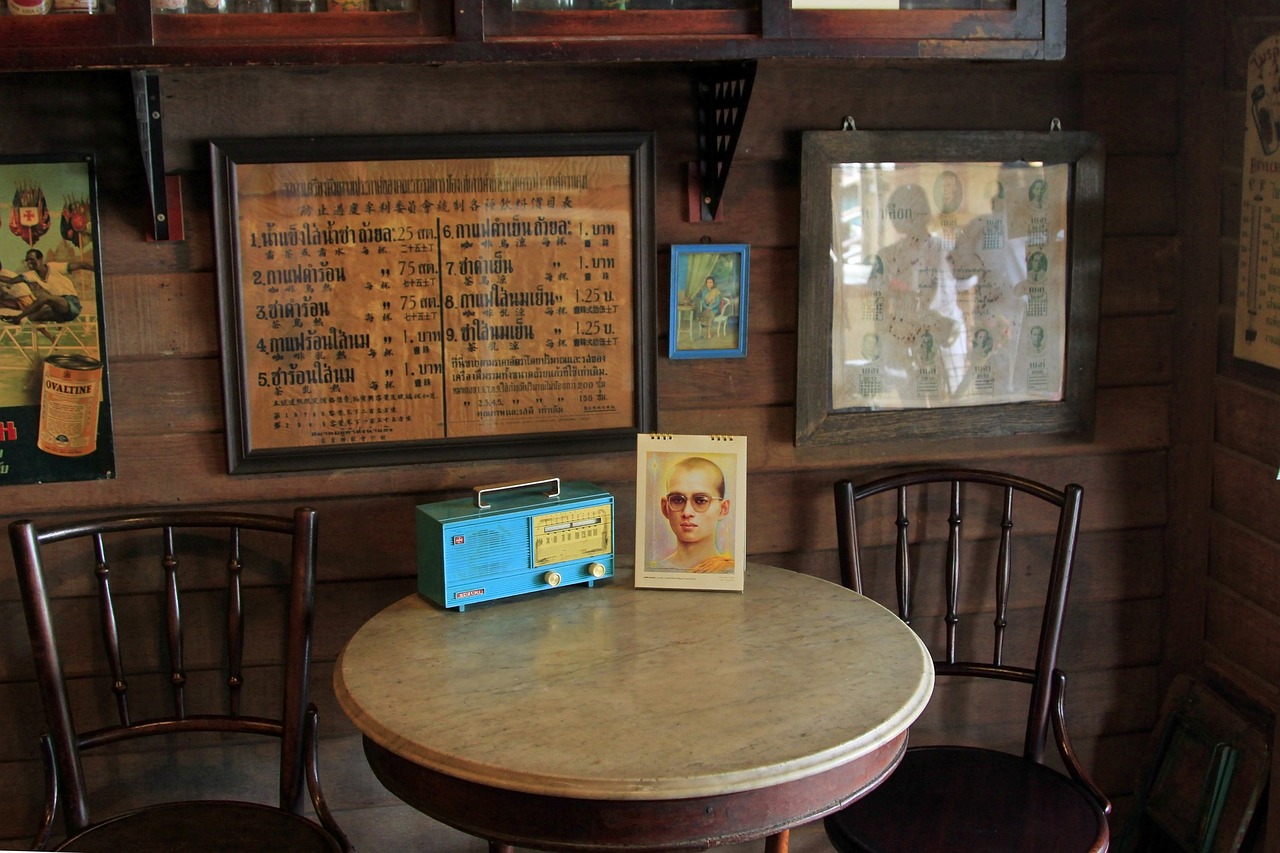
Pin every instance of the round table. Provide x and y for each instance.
(615, 718)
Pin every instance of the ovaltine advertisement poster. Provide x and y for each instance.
(55, 415)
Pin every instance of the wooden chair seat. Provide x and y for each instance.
(1009, 804)
(213, 826)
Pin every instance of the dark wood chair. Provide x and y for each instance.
(130, 560)
(966, 798)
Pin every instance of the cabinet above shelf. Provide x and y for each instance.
(536, 31)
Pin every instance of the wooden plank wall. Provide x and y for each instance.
(1242, 589)
(1120, 79)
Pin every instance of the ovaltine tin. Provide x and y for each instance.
(69, 397)
(513, 538)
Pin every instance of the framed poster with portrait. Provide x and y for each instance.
(391, 300)
(55, 402)
(691, 510)
(709, 300)
(948, 284)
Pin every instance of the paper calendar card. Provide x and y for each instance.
(691, 510)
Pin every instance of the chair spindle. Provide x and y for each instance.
(1003, 577)
(235, 623)
(902, 559)
(173, 625)
(110, 630)
(954, 520)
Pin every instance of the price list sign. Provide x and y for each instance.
(433, 305)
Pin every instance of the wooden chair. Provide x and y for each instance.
(720, 323)
(131, 559)
(964, 798)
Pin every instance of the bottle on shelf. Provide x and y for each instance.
(29, 7)
(75, 7)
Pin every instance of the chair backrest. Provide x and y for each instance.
(959, 497)
(114, 554)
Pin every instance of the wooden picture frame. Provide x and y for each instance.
(691, 511)
(709, 300)
(948, 284)
(390, 300)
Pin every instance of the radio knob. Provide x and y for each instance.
(596, 570)
(552, 578)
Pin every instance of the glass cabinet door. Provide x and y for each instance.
(633, 5)
(1010, 29)
(748, 29)
(595, 18)
(162, 33)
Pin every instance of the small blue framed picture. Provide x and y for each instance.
(709, 300)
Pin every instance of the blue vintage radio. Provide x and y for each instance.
(513, 538)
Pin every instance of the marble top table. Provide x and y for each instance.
(612, 718)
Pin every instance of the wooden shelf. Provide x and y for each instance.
(491, 31)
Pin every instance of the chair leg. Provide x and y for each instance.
(779, 843)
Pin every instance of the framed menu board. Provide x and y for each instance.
(387, 300)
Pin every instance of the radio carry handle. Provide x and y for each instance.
(480, 491)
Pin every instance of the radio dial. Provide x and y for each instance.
(596, 570)
(552, 578)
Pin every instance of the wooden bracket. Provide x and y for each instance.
(723, 92)
(164, 191)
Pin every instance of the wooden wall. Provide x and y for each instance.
(1242, 588)
(1121, 79)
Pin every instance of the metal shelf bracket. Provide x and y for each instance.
(723, 92)
(164, 191)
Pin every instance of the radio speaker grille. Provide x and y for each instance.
(488, 552)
